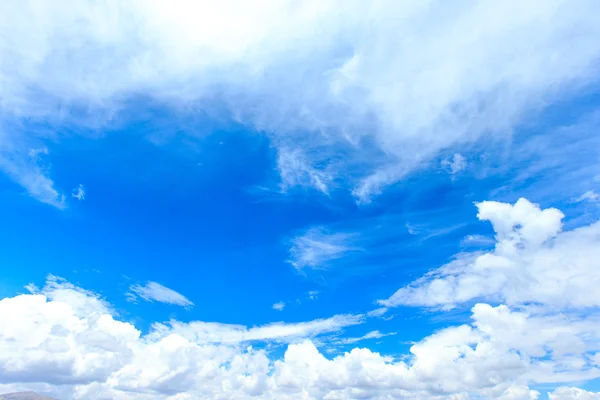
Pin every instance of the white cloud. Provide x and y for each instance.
(153, 291)
(66, 340)
(519, 392)
(24, 168)
(548, 277)
(533, 261)
(569, 393)
(213, 332)
(34, 154)
(313, 294)
(366, 336)
(316, 247)
(79, 193)
(378, 312)
(82, 301)
(412, 230)
(477, 240)
(279, 306)
(362, 92)
(295, 170)
(590, 196)
(455, 165)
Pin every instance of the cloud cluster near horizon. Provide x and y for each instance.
(70, 339)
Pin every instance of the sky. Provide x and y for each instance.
(315, 199)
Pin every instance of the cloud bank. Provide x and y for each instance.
(69, 340)
(352, 94)
(534, 262)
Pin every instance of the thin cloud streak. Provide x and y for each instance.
(153, 291)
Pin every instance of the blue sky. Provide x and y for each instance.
(300, 200)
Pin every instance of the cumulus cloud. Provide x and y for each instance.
(81, 300)
(65, 346)
(153, 291)
(568, 393)
(360, 91)
(316, 247)
(545, 274)
(533, 261)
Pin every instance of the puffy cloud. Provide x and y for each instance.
(64, 335)
(519, 392)
(153, 291)
(64, 340)
(68, 341)
(52, 341)
(569, 393)
(359, 91)
(546, 274)
(533, 261)
(82, 301)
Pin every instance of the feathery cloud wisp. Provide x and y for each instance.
(153, 291)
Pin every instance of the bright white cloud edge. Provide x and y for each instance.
(70, 340)
(335, 85)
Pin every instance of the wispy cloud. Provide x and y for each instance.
(411, 229)
(26, 169)
(153, 291)
(79, 193)
(526, 266)
(477, 240)
(589, 196)
(316, 247)
(455, 165)
(210, 332)
(325, 83)
(279, 306)
(378, 312)
(296, 170)
(367, 336)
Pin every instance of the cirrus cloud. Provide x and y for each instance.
(153, 291)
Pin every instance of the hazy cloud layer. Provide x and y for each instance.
(358, 91)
